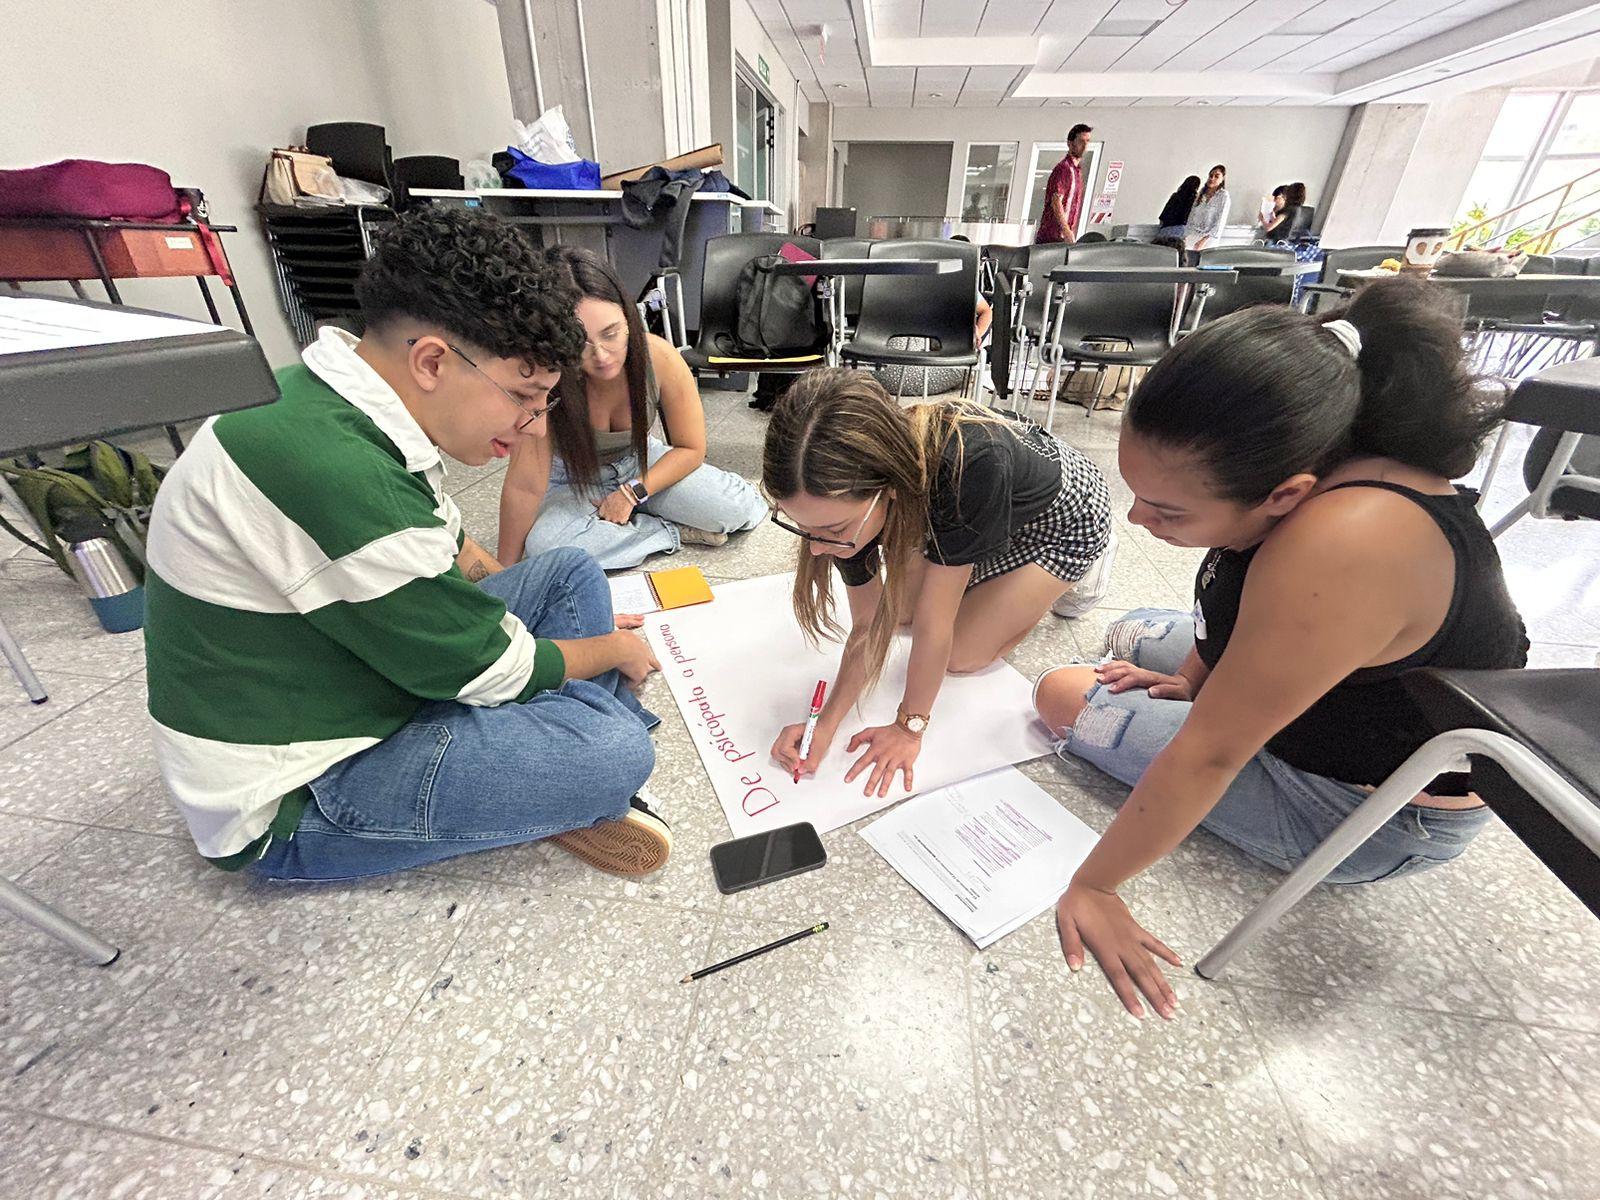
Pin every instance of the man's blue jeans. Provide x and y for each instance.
(457, 778)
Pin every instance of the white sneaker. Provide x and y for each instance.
(690, 536)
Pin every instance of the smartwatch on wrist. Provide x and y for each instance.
(636, 491)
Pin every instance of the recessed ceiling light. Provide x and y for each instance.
(840, 86)
(1123, 28)
(1202, 102)
(935, 95)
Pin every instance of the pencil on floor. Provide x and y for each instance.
(737, 959)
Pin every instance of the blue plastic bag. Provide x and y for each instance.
(582, 175)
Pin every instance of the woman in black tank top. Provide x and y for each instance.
(1314, 456)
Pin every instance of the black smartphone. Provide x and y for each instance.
(749, 862)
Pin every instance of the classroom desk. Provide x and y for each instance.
(835, 267)
(592, 219)
(72, 370)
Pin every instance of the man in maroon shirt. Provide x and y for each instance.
(1063, 195)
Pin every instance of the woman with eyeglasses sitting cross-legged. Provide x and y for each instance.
(962, 522)
(600, 482)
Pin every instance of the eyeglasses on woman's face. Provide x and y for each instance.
(818, 539)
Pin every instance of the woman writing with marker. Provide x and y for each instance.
(963, 524)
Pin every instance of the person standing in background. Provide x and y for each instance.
(1063, 194)
(1174, 219)
(1210, 211)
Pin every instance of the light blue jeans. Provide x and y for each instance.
(1272, 811)
(707, 498)
(458, 778)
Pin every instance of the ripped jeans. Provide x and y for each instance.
(1271, 811)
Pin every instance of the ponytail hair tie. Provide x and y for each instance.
(1349, 336)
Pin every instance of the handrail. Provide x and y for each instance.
(1566, 190)
(1505, 235)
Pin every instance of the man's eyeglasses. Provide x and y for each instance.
(532, 414)
(824, 541)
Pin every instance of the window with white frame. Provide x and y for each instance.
(1541, 142)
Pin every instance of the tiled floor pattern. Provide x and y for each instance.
(511, 1024)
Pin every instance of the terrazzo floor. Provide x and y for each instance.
(511, 1024)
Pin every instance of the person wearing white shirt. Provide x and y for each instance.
(1210, 211)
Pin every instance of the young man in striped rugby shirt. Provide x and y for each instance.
(342, 684)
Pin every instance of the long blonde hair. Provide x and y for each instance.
(837, 433)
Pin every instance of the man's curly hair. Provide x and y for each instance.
(477, 279)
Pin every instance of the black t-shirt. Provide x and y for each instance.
(992, 480)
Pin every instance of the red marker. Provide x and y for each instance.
(811, 723)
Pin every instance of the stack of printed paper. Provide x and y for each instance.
(991, 853)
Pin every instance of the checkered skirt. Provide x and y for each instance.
(1066, 538)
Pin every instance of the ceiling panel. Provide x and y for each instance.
(1074, 18)
(1194, 20)
(950, 18)
(1097, 53)
(1317, 51)
(1263, 50)
(1011, 18)
(898, 19)
(938, 87)
(1276, 36)
(809, 12)
(1232, 35)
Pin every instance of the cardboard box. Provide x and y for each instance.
(702, 159)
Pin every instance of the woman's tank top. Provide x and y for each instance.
(613, 444)
(1366, 725)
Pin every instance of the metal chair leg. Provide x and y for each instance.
(1538, 500)
(1494, 463)
(1446, 752)
(58, 925)
(20, 667)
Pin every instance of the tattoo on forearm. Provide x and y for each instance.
(477, 572)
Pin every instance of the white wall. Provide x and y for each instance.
(750, 42)
(204, 88)
(1261, 147)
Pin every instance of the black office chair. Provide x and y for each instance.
(1140, 316)
(1534, 754)
(938, 309)
(1250, 290)
(1348, 258)
(1562, 465)
(1301, 225)
(715, 350)
(358, 150)
(848, 247)
(1034, 311)
(424, 171)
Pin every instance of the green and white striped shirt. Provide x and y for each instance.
(303, 597)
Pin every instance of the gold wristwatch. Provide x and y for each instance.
(912, 723)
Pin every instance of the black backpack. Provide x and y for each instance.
(777, 313)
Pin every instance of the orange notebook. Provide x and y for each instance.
(653, 591)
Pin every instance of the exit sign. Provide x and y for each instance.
(763, 70)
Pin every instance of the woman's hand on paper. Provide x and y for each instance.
(1126, 952)
(616, 508)
(786, 750)
(890, 749)
(1119, 676)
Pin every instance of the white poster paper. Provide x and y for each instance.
(991, 853)
(740, 669)
(37, 323)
